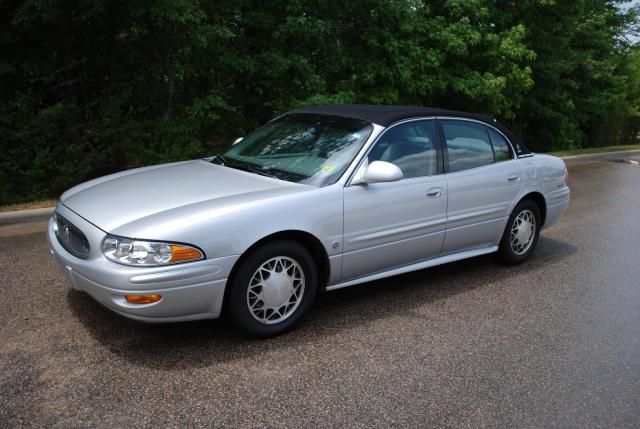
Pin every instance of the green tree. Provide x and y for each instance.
(95, 86)
(578, 81)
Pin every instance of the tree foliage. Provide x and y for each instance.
(89, 87)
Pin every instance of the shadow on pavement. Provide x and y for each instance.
(179, 346)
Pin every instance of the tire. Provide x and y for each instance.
(272, 289)
(516, 244)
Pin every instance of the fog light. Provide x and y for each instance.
(142, 299)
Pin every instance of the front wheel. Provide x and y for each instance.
(521, 233)
(273, 288)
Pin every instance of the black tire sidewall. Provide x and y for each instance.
(238, 309)
(505, 251)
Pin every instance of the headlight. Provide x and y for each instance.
(148, 253)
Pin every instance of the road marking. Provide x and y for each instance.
(626, 161)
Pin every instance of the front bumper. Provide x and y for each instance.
(189, 291)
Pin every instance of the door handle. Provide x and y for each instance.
(434, 192)
(513, 178)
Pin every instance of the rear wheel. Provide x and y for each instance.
(521, 233)
(273, 288)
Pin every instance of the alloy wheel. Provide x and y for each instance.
(523, 231)
(275, 290)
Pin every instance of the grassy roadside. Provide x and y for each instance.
(52, 202)
(591, 150)
(31, 205)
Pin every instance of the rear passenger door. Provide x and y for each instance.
(483, 179)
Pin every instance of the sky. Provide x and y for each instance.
(633, 37)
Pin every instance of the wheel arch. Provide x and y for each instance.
(306, 239)
(540, 201)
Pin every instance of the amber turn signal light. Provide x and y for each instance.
(143, 299)
(184, 253)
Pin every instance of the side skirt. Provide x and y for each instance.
(417, 266)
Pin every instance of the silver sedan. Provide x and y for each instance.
(318, 199)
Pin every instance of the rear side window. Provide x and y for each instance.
(468, 145)
(500, 146)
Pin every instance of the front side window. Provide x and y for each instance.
(410, 146)
(302, 148)
(468, 145)
(500, 146)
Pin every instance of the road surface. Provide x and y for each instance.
(551, 343)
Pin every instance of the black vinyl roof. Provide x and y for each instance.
(386, 115)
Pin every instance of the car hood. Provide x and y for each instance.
(113, 201)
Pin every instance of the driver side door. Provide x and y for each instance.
(387, 225)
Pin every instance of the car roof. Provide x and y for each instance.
(386, 115)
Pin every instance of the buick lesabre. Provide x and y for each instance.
(318, 199)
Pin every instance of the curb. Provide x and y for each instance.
(599, 154)
(26, 216)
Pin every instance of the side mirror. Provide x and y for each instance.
(236, 141)
(378, 172)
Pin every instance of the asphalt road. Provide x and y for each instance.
(551, 343)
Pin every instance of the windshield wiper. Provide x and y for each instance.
(221, 160)
(258, 170)
(264, 171)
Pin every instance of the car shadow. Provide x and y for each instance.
(178, 346)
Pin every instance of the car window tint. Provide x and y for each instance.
(500, 146)
(410, 146)
(468, 145)
(302, 148)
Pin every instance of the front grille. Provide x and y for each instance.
(71, 238)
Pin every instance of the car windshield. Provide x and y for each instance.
(302, 148)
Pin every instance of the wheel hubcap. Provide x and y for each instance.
(523, 231)
(275, 290)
